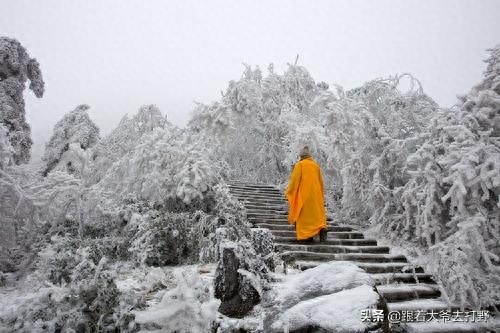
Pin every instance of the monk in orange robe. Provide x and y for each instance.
(305, 195)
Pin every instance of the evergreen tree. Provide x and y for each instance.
(16, 67)
(75, 132)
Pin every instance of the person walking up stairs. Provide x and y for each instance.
(305, 195)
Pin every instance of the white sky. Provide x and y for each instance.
(118, 55)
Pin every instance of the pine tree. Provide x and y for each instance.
(74, 133)
(16, 67)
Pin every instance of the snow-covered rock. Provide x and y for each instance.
(236, 283)
(329, 297)
(327, 278)
(338, 312)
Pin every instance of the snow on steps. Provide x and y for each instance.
(387, 278)
(386, 267)
(418, 304)
(326, 256)
(404, 291)
(331, 248)
(347, 242)
(339, 234)
(403, 286)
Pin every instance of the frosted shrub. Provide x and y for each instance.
(58, 259)
(466, 266)
(159, 234)
(188, 307)
(114, 247)
(205, 204)
(100, 298)
(89, 303)
(225, 222)
(262, 241)
(164, 239)
(162, 235)
(40, 312)
(40, 206)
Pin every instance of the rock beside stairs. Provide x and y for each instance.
(404, 287)
(237, 294)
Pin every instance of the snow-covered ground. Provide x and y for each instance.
(167, 298)
(180, 298)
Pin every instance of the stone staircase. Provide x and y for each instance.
(401, 285)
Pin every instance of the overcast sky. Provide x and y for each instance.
(118, 55)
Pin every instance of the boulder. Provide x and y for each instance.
(235, 284)
(326, 298)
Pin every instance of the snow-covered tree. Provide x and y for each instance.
(16, 67)
(247, 130)
(74, 132)
(123, 139)
(126, 135)
(450, 202)
(371, 131)
(163, 165)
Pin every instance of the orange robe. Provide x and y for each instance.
(305, 195)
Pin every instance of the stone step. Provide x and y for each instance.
(269, 220)
(255, 200)
(261, 201)
(258, 195)
(358, 257)
(284, 220)
(255, 216)
(266, 194)
(251, 211)
(279, 225)
(264, 206)
(404, 292)
(348, 242)
(320, 247)
(242, 188)
(420, 304)
(252, 186)
(387, 267)
(390, 278)
(332, 235)
(280, 219)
